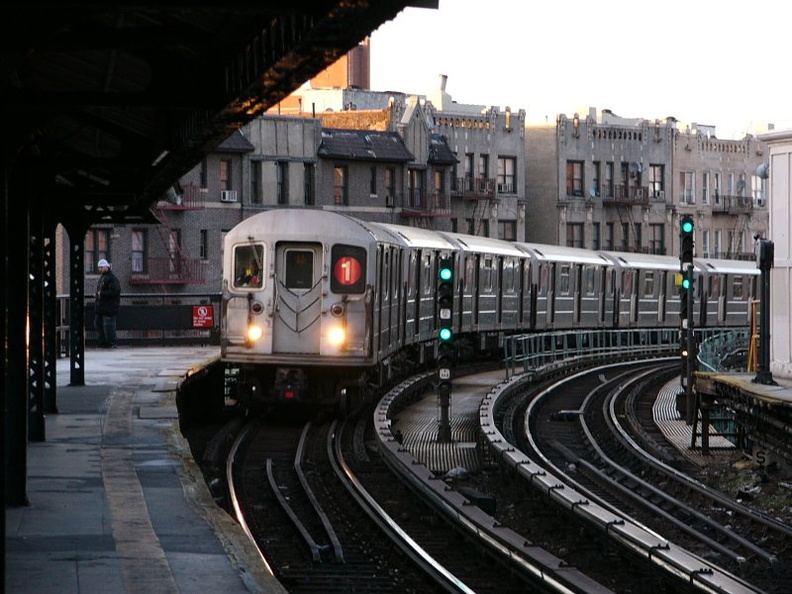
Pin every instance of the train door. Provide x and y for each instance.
(382, 330)
(718, 297)
(548, 271)
(298, 298)
(577, 295)
(662, 297)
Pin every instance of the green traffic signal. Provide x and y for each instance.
(687, 226)
(445, 334)
(445, 274)
(686, 283)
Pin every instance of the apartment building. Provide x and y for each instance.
(601, 181)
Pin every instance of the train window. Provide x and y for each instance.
(714, 288)
(299, 269)
(626, 288)
(649, 283)
(543, 273)
(470, 273)
(563, 280)
(248, 266)
(737, 288)
(509, 277)
(349, 269)
(588, 280)
(487, 271)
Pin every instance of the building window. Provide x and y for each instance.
(204, 174)
(416, 199)
(507, 180)
(595, 185)
(282, 182)
(717, 188)
(138, 255)
(225, 174)
(483, 166)
(625, 243)
(574, 178)
(656, 176)
(705, 243)
(308, 184)
(468, 172)
(705, 188)
(97, 246)
(373, 181)
(256, 196)
(507, 230)
(686, 181)
(203, 248)
(340, 186)
(609, 179)
(638, 232)
(439, 189)
(174, 251)
(596, 240)
(390, 186)
(574, 235)
(718, 244)
(758, 191)
(657, 239)
(623, 189)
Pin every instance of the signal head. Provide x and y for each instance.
(687, 224)
(445, 334)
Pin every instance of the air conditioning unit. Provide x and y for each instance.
(228, 195)
(660, 194)
(389, 201)
(505, 189)
(639, 192)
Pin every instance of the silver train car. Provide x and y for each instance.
(320, 308)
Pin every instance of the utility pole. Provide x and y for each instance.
(764, 260)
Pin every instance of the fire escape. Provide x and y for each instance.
(177, 268)
(625, 196)
(480, 191)
(423, 208)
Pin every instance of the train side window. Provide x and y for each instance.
(714, 288)
(349, 269)
(563, 280)
(299, 269)
(627, 282)
(487, 269)
(427, 275)
(509, 277)
(737, 288)
(470, 273)
(588, 280)
(249, 266)
(649, 283)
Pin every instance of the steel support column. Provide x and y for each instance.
(76, 232)
(15, 344)
(35, 394)
(50, 296)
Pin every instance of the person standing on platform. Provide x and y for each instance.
(108, 302)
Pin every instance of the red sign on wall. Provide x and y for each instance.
(203, 316)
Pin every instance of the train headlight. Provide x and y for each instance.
(336, 336)
(254, 333)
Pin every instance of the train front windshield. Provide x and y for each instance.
(249, 266)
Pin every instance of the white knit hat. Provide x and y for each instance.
(103, 263)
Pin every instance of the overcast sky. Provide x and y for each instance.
(717, 63)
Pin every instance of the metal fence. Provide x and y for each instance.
(161, 319)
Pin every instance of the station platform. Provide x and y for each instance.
(117, 505)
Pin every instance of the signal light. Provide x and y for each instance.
(686, 235)
(445, 297)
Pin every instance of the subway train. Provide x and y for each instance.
(319, 308)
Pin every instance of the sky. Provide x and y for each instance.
(704, 61)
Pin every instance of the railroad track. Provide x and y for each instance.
(603, 449)
(320, 530)
(443, 539)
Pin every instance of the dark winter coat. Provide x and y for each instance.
(108, 295)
